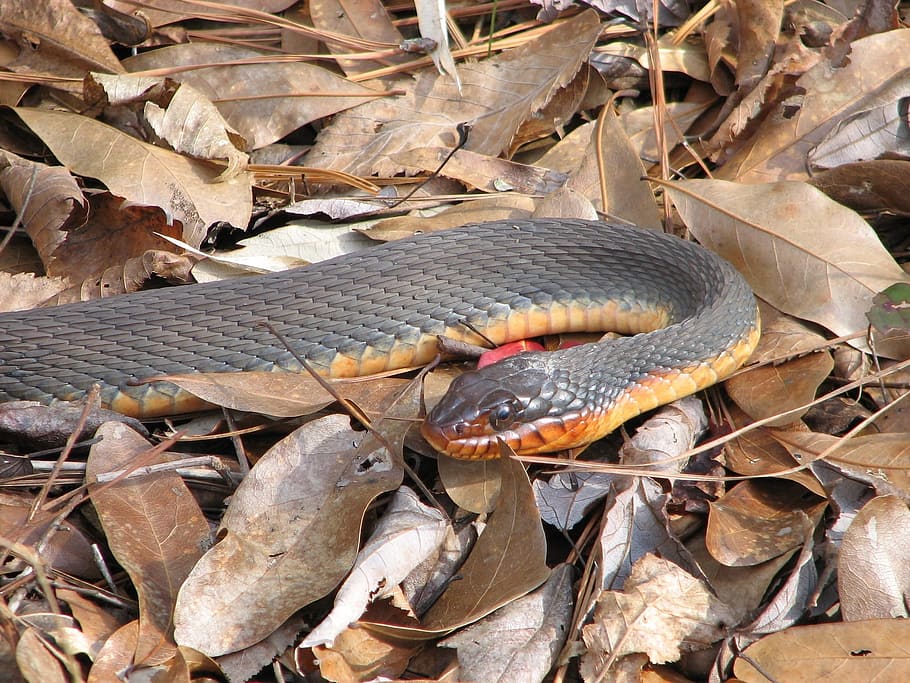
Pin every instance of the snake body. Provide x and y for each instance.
(693, 316)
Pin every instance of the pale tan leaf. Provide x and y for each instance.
(497, 97)
(22, 291)
(873, 566)
(518, 642)
(872, 650)
(483, 172)
(191, 124)
(801, 251)
(142, 173)
(365, 19)
(628, 197)
(472, 485)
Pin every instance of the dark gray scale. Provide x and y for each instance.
(376, 297)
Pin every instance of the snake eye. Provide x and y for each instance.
(504, 415)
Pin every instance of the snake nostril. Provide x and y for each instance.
(459, 428)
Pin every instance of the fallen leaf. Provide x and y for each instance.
(406, 535)
(661, 612)
(157, 550)
(873, 567)
(142, 173)
(805, 254)
(289, 536)
(528, 634)
(857, 651)
(495, 101)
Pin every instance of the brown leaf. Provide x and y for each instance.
(289, 536)
(55, 38)
(756, 521)
(757, 452)
(282, 394)
(877, 459)
(184, 188)
(483, 172)
(154, 528)
(495, 100)
(263, 101)
(873, 566)
(473, 485)
(521, 640)
(366, 19)
(824, 97)
(859, 651)
(628, 197)
(507, 561)
(880, 185)
(769, 390)
(48, 199)
(805, 254)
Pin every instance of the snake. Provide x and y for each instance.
(689, 319)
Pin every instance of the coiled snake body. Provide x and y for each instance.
(693, 316)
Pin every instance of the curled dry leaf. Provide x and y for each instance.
(802, 252)
(635, 524)
(406, 535)
(662, 612)
(873, 567)
(670, 432)
(48, 200)
(528, 634)
(827, 95)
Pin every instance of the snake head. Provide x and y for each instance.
(508, 401)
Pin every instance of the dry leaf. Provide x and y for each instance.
(662, 612)
(495, 101)
(289, 536)
(873, 568)
(805, 254)
(824, 97)
(755, 522)
(518, 642)
(157, 550)
(406, 535)
(860, 651)
(184, 188)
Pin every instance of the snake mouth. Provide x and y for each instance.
(472, 441)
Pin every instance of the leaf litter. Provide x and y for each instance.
(773, 134)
